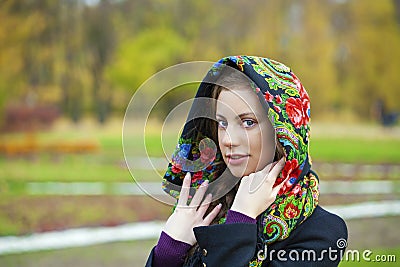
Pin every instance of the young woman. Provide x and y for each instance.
(261, 208)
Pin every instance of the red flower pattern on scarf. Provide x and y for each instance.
(297, 110)
(290, 170)
(291, 211)
(176, 168)
(197, 176)
(268, 97)
(278, 99)
(296, 190)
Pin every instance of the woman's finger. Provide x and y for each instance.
(184, 194)
(204, 205)
(276, 169)
(256, 181)
(268, 168)
(211, 216)
(265, 176)
(276, 189)
(198, 196)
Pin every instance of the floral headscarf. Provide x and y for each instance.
(288, 106)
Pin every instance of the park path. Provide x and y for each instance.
(151, 230)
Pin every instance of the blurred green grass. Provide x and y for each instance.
(108, 164)
(111, 167)
(350, 150)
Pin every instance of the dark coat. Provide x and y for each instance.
(234, 245)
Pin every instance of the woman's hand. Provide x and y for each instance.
(256, 193)
(180, 224)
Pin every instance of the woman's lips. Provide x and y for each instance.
(236, 159)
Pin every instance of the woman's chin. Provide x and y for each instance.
(239, 172)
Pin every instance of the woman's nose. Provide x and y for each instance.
(230, 137)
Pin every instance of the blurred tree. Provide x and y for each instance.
(139, 58)
(100, 44)
(397, 10)
(90, 56)
(70, 64)
(27, 44)
(374, 43)
(12, 33)
(311, 52)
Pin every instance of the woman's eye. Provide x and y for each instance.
(222, 124)
(248, 123)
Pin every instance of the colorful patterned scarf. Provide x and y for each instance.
(288, 107)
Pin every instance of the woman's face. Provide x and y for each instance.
(246, 136)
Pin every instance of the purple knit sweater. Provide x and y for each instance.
(171, 252)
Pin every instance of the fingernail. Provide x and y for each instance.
(219, 205)
(205, 183)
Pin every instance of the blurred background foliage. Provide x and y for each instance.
(87, 57)
(68, 69)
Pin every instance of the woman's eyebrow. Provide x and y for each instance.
(246, 114)
(238, 116)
